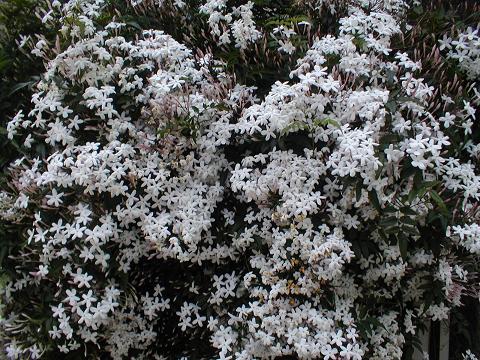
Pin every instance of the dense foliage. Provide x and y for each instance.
(238, 180)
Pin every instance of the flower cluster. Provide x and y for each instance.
(328, 217)
(466, 50)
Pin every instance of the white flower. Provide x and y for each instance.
(55, 199)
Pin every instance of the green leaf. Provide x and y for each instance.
(382, 234)
(421, 188)
(408, 220)
(359, 43)
(325, 122)
(418, 179)
(412, 195)
(373, 197)
(408, 211)
(20, 86)
(392, 230)
(390, 209)
(412, 230)
(391, 106)
(293, 127)
(389, 222)
(438, 200)
(403, 245)
(134, 24)
(358, 191)
(222, 107)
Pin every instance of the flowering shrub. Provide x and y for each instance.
(465, 50)
(169, 206)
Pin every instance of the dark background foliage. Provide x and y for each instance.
(19, 71)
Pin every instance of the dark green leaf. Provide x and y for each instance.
(403, 245)
(372, 195)
(438, 200)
